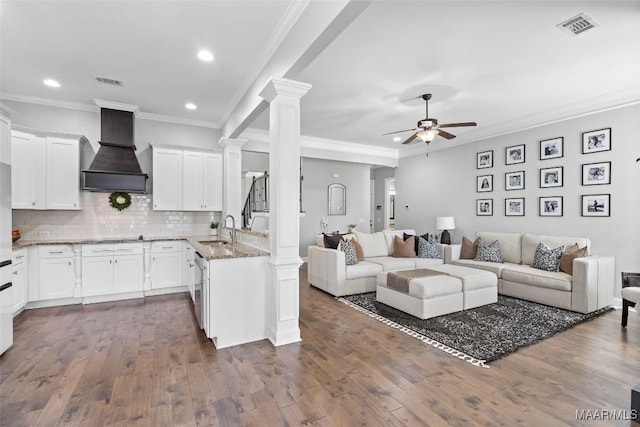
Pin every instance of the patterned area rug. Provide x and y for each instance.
(481, 334)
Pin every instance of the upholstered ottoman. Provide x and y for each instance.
(480, 287)
(427, 297)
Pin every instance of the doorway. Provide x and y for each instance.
(389, 203)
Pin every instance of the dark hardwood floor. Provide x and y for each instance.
(145, 362)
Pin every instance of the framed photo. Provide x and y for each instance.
(551, 206)
(514, 180)
(484, 183)
(596, 205)
(551, 177)
(484, 207)
(552, 148)
(514, 207)
(596, 140)
(485, 159)
(596, 173)
(514, 155)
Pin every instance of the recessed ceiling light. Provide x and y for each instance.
(205, 55)
(190, 106)
(51, 83)
(397, 139)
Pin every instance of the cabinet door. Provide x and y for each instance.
(192, 185)
(128, 273)
(213, 182)
(166, 270)
(56, 278)
(21, 174)
(19, 280)
(5, 139)
(189, 269)
(97, 275)
(167, 180)
(63, 174)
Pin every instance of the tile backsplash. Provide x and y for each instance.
(98, 219)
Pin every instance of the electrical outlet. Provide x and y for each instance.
(361, 220)
(44, 233)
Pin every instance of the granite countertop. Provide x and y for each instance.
(208, 252)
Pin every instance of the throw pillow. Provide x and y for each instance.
(428, 249)
(489, 253)
(469, 248)
(404, 248)
(425, 236)
(547, 259)
(570, 253)
(332, 240)
(350, 255)
(359, 251)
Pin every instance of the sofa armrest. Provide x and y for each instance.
(451, 253)
(593, 282)
(326, 269)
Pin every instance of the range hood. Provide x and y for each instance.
(115, 166)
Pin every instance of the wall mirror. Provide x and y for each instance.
(337, 199)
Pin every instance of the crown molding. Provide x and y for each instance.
(177, 120)
(284, 87)
(50, 102)
(112, 105)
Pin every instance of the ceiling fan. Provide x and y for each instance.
(427, 129)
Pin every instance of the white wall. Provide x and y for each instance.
(433, 188)
(318, 174)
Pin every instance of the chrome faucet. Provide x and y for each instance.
(232, 233)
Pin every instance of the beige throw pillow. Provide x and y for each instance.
(404, 248)
(356, 245)
(469, 249)
(570, 253)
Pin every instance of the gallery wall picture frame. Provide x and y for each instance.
(596, 173)
(595, 141)
(596, 205)
(514, 206)
(550, 206)
(552, 177)
(484, 207)
(514, 154)
(552, 148)
(484, 159)
(484, 183)
(514, 180)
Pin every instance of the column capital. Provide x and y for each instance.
(233, 144)
(285, 87)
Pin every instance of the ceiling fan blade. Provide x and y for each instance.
(411, 138)
(457, 125)
(445, 134)
(398, 131)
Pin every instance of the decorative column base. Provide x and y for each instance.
(283, 297)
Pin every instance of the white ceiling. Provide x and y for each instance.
(502, 64)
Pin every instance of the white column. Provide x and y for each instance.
(284, 220)
(232, 179)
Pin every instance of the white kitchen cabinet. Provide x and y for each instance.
(5, 132)
(167, 264)
(45, 172)
(189, 269)
(112, 269)
(167, 179)
(55, 272)
(213, 182)
(20, 279)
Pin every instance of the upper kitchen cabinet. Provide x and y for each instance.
(186, 180)
(45, 171)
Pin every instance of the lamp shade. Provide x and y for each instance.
(445, 223)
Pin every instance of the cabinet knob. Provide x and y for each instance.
(116, 261)
(33, 203)
(109, 261)
(69, 262)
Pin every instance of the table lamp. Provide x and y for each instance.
(445, 223)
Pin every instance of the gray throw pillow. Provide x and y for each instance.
(489, 253)
(428, 249)
(547, 259)
(350, 254)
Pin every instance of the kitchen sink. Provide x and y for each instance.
(213, 242)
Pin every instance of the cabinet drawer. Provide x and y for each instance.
(97, 250)
(171, 246)
(55, 251)
(102, 249)
(19, 256)
(127, 249)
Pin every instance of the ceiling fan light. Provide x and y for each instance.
(427, 135)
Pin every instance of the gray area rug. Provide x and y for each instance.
(481, 334)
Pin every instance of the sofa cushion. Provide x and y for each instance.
(469, 249)
(472, 278)
(425, 236)
(494, 267)
(373, 245)
(530, 243)
(358, 249)
(350, 255)
(546, 258)
(489, 253)
(510, 245)
(428, 249)
(428, 262)
(362, 270)
(570, 253)
(403, 248)
(390, 234)
(389, 263)
(527, 275)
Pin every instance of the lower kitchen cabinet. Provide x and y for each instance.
(167, 264)
(55, 272)
(111, 269)
(20, 279)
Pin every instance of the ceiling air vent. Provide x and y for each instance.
(578, 24)
(108, 81)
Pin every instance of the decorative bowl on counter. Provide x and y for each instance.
(15, 235)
